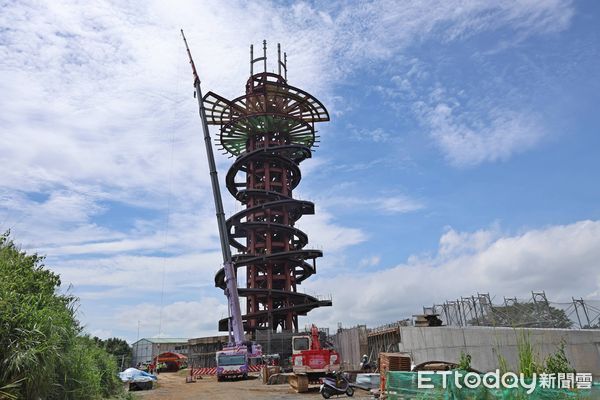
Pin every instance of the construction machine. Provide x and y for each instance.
(233, 360)
(311, 360)
(310, 357)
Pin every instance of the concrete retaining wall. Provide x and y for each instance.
(484, 343)
(351, 343)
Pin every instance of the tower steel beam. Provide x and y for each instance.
(270, 130)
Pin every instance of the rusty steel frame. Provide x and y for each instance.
(270, 129)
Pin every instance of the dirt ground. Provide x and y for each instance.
(172, 386)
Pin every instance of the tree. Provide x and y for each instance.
(117, 347)
(530, 315)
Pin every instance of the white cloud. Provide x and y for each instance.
(468, 139)
(112, 81)
(96, 113)
(108, 103)
(561, 259)
(370, 261)
(325, 233)
(387, 204)
(376, 135)
(453, 243)
(397, 204)
(470, 127)
(102, 333)
(186, 319)
(137, 274)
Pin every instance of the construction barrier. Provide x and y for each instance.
(213, 370)
(404, 385)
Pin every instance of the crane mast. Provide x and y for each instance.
(236, 328)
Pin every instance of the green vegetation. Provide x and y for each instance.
(502, 364)
(528, 358)
(525, 315)
(558, 363)
(42, 352)
(465, 361)
(118, 348)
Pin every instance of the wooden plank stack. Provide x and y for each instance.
(392, 362)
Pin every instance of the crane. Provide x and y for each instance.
(233, 359)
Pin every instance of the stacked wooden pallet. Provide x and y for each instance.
(392, 362)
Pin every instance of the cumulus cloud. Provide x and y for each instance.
(560, 259)
(325, 233)
(179, 319)
(106, 101)
(97, 121)
(124, 271)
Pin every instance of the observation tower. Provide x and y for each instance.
(270, 130)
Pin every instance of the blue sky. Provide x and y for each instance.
(462, 151)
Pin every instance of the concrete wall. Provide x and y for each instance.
(351, 343)
(484, 343)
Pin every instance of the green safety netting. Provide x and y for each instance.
(404, 386)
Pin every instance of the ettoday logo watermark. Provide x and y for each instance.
(508, 380)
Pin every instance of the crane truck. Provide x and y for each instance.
(233, 359)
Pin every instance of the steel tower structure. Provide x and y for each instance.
(270, 130)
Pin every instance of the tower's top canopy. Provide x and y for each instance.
(269, 105)
(281, 64)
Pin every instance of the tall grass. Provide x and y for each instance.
(529, 363)
(42, 354)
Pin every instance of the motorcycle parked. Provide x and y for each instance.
(337, 384)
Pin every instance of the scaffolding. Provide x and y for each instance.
(533, 312)
(385, 338)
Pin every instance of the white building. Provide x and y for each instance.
(144, 350)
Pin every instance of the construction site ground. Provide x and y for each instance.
(172, 386)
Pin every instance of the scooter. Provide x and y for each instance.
(338, 384)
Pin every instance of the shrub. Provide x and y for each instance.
(465, 361)
(42, 354)
(557, 362)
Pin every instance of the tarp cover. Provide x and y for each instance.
(135, 375)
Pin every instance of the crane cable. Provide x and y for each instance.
(169, 198)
